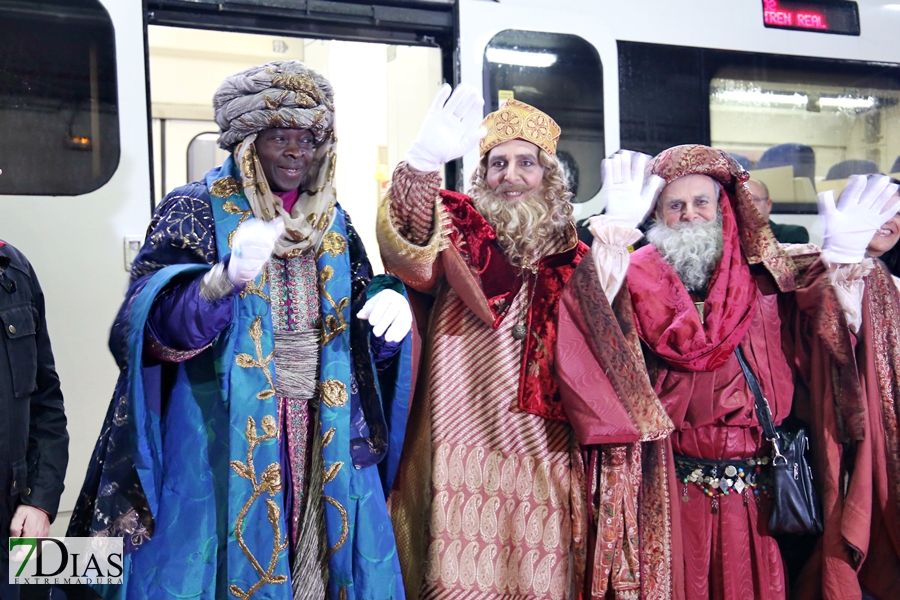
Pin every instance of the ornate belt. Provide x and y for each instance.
(717, 478)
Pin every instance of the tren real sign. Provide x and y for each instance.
(837, 16)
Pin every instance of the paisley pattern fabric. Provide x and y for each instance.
(502, 483)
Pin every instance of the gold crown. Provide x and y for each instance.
(518, 121)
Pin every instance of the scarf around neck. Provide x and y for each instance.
(666, 317)
(311, 215)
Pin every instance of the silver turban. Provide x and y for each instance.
(283, 93)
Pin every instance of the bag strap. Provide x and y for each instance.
(763, 413)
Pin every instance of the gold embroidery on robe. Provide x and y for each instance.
(334, 394)
(330, 473)
(269, 483)
(334, 324)
(245, 361)
(333, 243)
(226, 187)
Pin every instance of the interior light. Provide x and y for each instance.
(78, 142)
(892, 6)
(520, 58)
(848, 102)
(760, 97)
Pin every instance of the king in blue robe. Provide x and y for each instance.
(227, 472)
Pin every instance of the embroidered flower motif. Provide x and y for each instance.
(537, 127)
(334, 244)
(334, 393)
(271, 479)
(507, 124)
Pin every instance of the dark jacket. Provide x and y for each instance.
(789, 234)
(34, 444)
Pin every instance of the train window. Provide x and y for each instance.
(803, 132)
(801, 125)
(203, 154)
(562, 76)
(58, 97)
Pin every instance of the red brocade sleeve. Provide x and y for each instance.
(413, 198)
(411, 228)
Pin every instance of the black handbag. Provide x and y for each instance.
(795, 505)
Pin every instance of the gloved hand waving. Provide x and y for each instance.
(251, 248)
(389, 315)
(450, 129)
(865, 205)
(629, 197)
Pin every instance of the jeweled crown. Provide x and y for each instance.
(519, 121)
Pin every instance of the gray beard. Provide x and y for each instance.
(693, 250)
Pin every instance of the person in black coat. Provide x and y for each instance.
(34, 444)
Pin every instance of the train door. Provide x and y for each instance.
(80, 176)
(76, 182)
(382, 91)
(553, 59)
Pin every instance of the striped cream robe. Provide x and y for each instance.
(488, 501)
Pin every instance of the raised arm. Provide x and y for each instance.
(411, 225)
(849, 225)
(629, 197)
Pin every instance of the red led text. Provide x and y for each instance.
(773, 14)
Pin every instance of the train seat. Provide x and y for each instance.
(799, 156)
(743, 160)
(896, 167)
(783, 186)
(846, 168)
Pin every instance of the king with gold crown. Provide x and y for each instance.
(487, 499)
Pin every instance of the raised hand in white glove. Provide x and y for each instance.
(629, 196)
(251, 248)
(865, 205)
(450, 129)
(389, 315)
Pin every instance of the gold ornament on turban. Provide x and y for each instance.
(519, 121)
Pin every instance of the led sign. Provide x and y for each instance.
(833, 16)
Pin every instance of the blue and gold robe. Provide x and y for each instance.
(188, 467)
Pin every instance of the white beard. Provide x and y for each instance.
(693, 250)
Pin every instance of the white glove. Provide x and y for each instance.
(450, 129)
(388, 311)
(865, 205)
(629, 197)
(251, 248)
